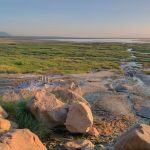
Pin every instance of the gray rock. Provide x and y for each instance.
(144, 112)
(120, 88)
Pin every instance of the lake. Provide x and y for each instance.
(100, 40)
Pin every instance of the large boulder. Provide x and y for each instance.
(79, 118)
(79, 144)
(21, 139)
(45, 106)
(3, 113)
(69, 96)
(5, 125)
(137, 138)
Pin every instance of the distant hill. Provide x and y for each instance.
(4, 34)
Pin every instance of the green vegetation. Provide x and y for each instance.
(65, 58)
(19, 114)
(143, 54)
(60, 58)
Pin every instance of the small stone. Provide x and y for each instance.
(79, 144)
(5, 125)
(93, 132)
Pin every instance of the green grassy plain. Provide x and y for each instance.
(66, 58)
(61, 58)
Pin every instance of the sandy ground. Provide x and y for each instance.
(89, 82)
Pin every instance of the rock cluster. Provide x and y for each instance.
(74, 113)
(16, 139)
(76, 116)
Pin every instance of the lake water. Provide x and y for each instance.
(99, 40)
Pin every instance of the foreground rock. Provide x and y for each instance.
(21, 139)
(137, 138)
(45, 106)
(5, 125)
(79, 118)
(3, 113)
(79, 144)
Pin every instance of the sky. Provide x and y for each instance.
(76, 18)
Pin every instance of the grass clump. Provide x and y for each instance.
(18, 113)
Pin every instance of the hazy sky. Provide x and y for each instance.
(85, 18)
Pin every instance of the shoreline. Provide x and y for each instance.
(22, 39)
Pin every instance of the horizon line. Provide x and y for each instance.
(69, 37)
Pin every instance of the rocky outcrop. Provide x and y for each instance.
(45, 106)
(5, 125)
(21, 139)
(3, 113)
(79, 144)
(79, 118)
(69, 96)
(137, 138)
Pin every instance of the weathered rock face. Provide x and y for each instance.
(79, 118)
(68, 96)
(79, 144)
(114, 104)
(144, 111)
(21, 139)
(5, 125)
(3, 113)
(45, 106)
(137, 138)
(141, 106)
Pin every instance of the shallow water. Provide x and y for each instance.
(98, 40)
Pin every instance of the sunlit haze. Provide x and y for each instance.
(76, 18)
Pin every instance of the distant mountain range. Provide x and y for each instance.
(4, 34)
